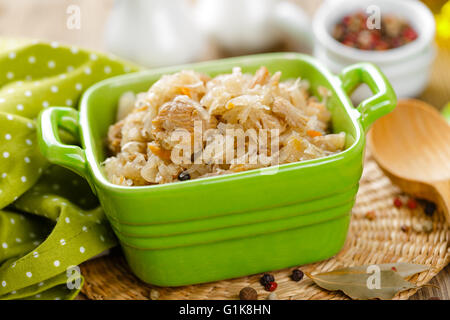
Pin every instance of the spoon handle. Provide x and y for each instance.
(443, 190)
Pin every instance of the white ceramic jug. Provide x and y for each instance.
(154, 32)
(242, 26)
(167, 32)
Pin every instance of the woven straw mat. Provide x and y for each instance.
(380, 240)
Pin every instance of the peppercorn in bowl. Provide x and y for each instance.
(397, 36)
(195, 230)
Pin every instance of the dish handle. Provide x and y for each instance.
(381, 103)
(69, 156)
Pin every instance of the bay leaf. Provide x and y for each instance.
(404, 269)
(353, 281)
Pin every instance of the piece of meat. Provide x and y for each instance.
(181, 113)
(292, 115)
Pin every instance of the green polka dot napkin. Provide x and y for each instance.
(50, 221)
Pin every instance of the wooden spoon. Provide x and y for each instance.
(412, 146)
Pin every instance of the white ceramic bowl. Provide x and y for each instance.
(407, 67)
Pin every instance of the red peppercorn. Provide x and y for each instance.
(371, 215)
(346, 20)
(394, 269)
(412, 204)
(349, 43)
(404, 228)
(409, 34)
(271, 286)
(398, 202)
(381, 45)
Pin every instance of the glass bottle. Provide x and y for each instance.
(441, 11)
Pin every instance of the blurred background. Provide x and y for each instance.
(157, 33)
(46, 19)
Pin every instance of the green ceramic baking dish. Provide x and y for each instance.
(234, 225)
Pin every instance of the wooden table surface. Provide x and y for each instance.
(47, 20)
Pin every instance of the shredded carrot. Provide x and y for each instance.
(186, 91)
(143, 108)
(238, 168)
(160, 152)
(297, 144)
(313, 133)
(230, 105)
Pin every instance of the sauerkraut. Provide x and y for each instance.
(188, 126)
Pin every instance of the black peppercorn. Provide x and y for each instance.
(297, 275)
(430, 208)
(266, 279)
(183, 176)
